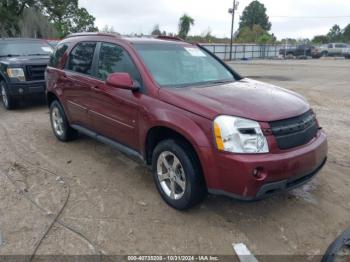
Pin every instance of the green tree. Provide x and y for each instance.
(290, 41)
(255, 14)
(82, 21)
(10, 14)
(255, 35)
(156, 30)
(34, 24)
(266, 38)
(335, 34)
(346, 33)
(185, 26)
(320, 39)
(68, 17)
(207, 36)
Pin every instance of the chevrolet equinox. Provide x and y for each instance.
(181, 110)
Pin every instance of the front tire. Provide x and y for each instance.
(177, 174)
(324, 54)
(59, 123)
(8, 101)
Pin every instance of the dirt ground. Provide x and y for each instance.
(111, 204)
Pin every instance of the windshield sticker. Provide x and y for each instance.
(195, 52)
(46, 49)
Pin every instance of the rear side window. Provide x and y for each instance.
(114, 59)
(58, 54)
(340, 46)
(81, 57)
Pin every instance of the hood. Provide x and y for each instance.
(245, 98)
(25, 60)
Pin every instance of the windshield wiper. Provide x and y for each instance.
(222, 81)
(38, 55)
(198, 84)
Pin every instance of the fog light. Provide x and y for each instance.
(21, 91)
(259, 173)
(255, 172)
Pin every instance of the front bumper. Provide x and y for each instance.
(20, 89)
(316, 54)
(288, 184)
(232, 174)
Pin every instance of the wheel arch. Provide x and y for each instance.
(163, 131)
(50, 97)
(3, 77)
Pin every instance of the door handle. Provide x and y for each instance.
(96, 89)
(63, 77)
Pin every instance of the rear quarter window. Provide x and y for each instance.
(58, 54)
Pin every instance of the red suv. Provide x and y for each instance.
(177, 107)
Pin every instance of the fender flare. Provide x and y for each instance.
(185, 126)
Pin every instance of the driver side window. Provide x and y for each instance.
(114, 59)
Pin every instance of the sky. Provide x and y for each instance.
(289, 18)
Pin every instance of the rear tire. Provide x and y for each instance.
(177, 174)
(6, 99)
(59, 123)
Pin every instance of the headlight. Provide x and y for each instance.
(239, 135)
(17, 73)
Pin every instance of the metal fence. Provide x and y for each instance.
(244, 51)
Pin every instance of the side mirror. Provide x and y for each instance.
(121, 80)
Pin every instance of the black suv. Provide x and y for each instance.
(22, 69)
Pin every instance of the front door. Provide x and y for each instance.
(115, 111)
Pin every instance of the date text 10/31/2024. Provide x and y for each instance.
(173, 258)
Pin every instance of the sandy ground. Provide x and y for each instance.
(111, 204)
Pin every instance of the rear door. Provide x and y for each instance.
(331, 49)
(78, 82)
(115, 111)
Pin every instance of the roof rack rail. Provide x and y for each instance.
(93, 34)
(174, 38)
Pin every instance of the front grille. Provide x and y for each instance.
(296, 131)
(36, 72)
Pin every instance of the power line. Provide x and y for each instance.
(310, 17)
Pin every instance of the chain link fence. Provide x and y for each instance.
(244, 51)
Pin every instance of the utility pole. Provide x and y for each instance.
(232, 12)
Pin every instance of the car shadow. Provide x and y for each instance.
(33, 103)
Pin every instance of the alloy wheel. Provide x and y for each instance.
(4, 96)
(57, 121)
(171, 175)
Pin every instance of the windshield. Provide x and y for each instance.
(24, 48)
(174, 65)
